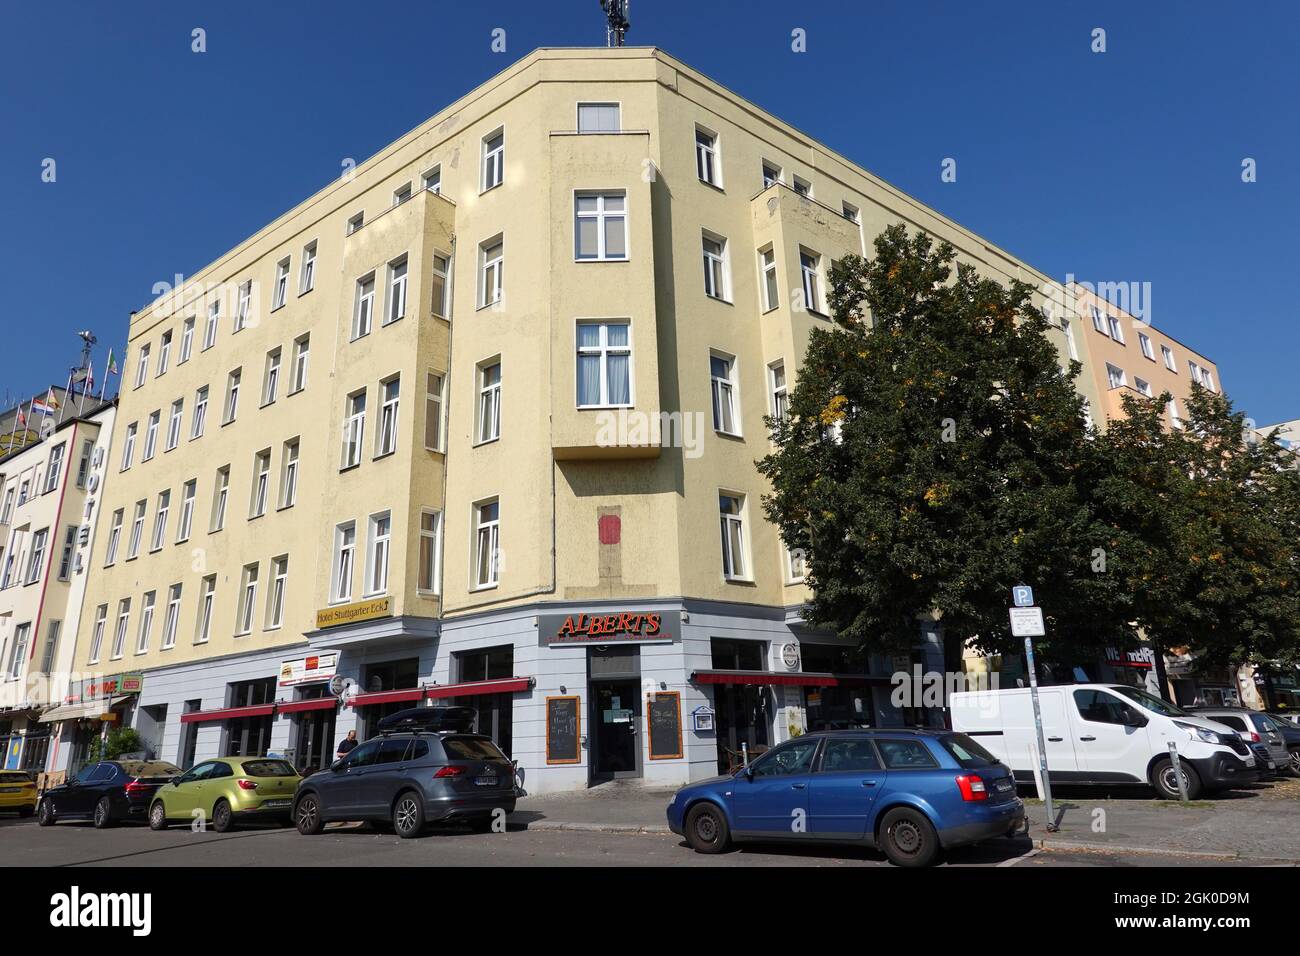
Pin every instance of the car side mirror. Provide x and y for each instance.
(1133, 719)
(747, 772)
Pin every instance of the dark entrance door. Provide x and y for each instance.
(617, 717)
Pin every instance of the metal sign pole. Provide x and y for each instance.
(1038, 727)
(1178, 771)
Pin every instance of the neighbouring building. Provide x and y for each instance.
(477, 424)
(50, 487)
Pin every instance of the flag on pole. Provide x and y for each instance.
(87, 386)
(50, 404)
(109, 369)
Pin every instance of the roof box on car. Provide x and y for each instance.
(429, 720)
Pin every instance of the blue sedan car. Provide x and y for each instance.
(911, 793)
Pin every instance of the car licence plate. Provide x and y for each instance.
(486, 781)
(273, 804)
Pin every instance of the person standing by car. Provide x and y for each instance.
(347, 745)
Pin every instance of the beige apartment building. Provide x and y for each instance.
(477, 423)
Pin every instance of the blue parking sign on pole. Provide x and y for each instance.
(1022, 595)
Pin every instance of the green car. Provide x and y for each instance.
(228, 790)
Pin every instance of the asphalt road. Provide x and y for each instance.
(23, 843)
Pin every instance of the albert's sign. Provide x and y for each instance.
(618, 627)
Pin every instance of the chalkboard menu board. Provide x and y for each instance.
(665, 722)
(563, 730)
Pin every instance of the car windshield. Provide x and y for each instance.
(150, 768)
(268, 768)
(967, 752)
(1150, 702)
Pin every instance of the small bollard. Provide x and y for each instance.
(1178, 771)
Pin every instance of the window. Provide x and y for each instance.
(247, 599)
(114, 537)
(716, 282)
(802, 187)
(489, 402)
(210, 327)
(851, 213)
(433, 399)
(771, 174)
(1071, 347)
(487, 540)
(381, 532)
(164, 352)
(402, 194)
(187, 510)
(307, 276)
(137, 529)
(200, 412)
(604, 364)
(722, 369)
(598, 118)
(795, 757)
(707, 167)
(151, 436)
(780, 394)
(1115, 377)
(187, 341)
(271, 376)
(83, 466)
(203, 626)
(279, 584)
(172, 617)
(1171, 409)
(301, 355)
(289, 474)
(174, 424)
(1098, 321)
(345, 546)
(390, 396)
(600, 226)
(1207, 379)
(363, 312)
(69, 546)
(232, 395)
(438, 279)
(7, 512)
(18, 655)
(36, 561)
(11, 562)
(767, 265)
(123, 622)
(142, 366)
(430, 551)
(494, 157)
(433, 180)
(396, 289)
(906, 755)
(146, 621)
(261, 483)
(795, 566)
(731, 511)
(244, 304)
(1142, 386)
(354, 428)
(1144, 341)
(809, 267)
(1116, 328)
(491, 255)
(160, 520)
(221, 492)
(54, 467)
(849, 756)
(97, 633)
(1168, 354)
(51, 644)
(356, 222)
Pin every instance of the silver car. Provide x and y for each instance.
(1253, 727)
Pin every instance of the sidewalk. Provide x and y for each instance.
(1260, 823)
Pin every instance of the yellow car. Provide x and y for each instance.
(18, 792)
(225, 791)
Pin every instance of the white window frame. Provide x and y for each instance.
(148, 602)
(261, 484)
(244, 305)
(128, 444)
(768, 282)
(97, 633)
(174, 424)
(1144, 341)
(717, 268)
(724, 388)
(493, 162)
(428, 579)
(363, 310)
(164, 353)
(279, 590)
(488, 415)
(354, 429)
(771, 173)
(778, 391)
(1116, 328)
(379, 541)
(402, 194)
(185, 527)
(142, 366)
(210, 326)
(390, 398)
(233, 380)
(151, 435)
(137, 529)
(432, 180)
(398, 273)
(434, 402)
(603, 351)
(200, 412)
(280, 293)
(1115, 376)
(114, 537)
(810, 280)
(487, 531)
(708, 157)
(440, 275)
(220, 499)
(735, 564)
(187, 341)
(602, 217)
(289, 462)
(1167, 354)
(171, 617)
(802, 187)
(343, 567)
(603, 105)
(119, 631)
(207, 601)
(247, 610)
(271, 376)
(307, 270)
(161, 514)
(301, 362)
(491, 271)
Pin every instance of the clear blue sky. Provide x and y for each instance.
(1122, 166)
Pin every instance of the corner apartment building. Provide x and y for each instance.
(49, 493)
(477, 423)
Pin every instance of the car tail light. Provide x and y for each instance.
(972, 787)
(135, 786)
(1254, 737)
(247, 785)
(449, 771)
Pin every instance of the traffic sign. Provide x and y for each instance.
(1027, 622)
(1022, 595)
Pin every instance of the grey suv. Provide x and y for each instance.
(1256, 729)
(406, 778)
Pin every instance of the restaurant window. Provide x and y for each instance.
(36, 748)
(189, 737)
(250, 736)
(495, 711)
(314, 733)
(743, 711)
(833, 708)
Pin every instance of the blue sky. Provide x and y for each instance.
(1123, 166)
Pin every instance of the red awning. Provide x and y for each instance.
(504, 685)
(204, 716)
(387, 697)
(297, 706)
(791, 679)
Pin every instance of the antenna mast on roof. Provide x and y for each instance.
(616, 14)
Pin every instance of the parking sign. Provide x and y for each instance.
(1022, 595)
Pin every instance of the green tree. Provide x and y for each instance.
(931, 458)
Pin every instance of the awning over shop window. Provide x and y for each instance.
(297, 706)
(789, 679)
(504, 685)
(87, 708)
(387, 697)
(227, 713)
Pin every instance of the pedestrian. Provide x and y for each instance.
(347, 745)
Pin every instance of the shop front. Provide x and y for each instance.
(91, 708)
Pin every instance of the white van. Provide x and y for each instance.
(1105, 734)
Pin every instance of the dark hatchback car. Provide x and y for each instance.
(421, 769)
(911, 793)
(107, 792)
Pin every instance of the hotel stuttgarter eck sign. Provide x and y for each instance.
(352, 613)
(309, 669)
(615, 627)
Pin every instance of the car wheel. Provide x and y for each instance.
(706, 829)
(908, 838)
(408, 814)
(45, 813)
(308, 816)
(1295, 762)
(157, 816)
(223, 821)
(1165, 780)
(103, 818)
